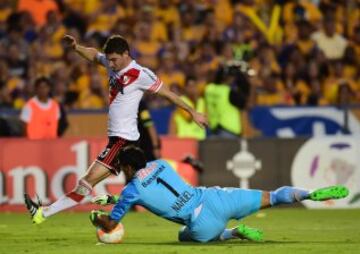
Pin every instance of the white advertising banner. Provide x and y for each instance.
(329, 161)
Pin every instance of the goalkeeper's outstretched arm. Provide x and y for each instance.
(105, 199)
(103, 220)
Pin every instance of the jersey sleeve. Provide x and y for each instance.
(128, 198)
(149, 81)
(101, 59)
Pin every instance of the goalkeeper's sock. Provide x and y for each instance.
(227, 234)
(288, 195)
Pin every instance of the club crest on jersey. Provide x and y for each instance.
(125, 80)
(117, 84)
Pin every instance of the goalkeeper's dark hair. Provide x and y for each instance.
(131, 156)
(116, 44)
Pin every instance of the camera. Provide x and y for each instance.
(236, 67)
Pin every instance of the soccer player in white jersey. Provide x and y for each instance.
(128, 81)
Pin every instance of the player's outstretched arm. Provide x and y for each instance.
(198, 118)
(85, 52)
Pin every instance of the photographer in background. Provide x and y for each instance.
(226, 97)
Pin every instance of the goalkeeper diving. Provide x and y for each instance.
(203, 212)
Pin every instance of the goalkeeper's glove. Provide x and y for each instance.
(95, 215)
(105, 199)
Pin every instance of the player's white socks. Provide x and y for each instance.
(61, 204)
(71, 199)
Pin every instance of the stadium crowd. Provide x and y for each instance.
(298, 52)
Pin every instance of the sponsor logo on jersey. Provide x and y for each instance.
(143, 173)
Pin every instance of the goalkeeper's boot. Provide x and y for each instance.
(252, 234)
(35, 209)
(332, 192)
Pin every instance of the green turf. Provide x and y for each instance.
(285, 231)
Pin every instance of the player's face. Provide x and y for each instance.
(117, 61)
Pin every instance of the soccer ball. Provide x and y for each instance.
(114, 236)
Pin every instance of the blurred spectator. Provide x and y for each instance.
(297, 89)
(181, 124)
(301, 10)
(38, 9)
(190, 31)
(41, 113)
(167, 13)
(329, 41)
(17, 64)
(292, 43)
(270, 91)
(104, 17)
(158, 30)
(304, 42)
(169, 72)
(345, 94)
(5, 10)
(145, 49)
(333, 81)
(314, 79)
(92, 97)
(5, 97)
(272, 31)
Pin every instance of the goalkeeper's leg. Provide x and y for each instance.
(290, 195)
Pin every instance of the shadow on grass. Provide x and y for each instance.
(238, 243)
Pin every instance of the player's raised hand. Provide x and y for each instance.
(200, 119)
(69, 41)
(103, 200)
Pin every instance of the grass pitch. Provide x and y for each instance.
(286, 231)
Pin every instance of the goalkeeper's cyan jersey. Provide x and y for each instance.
(161, 190)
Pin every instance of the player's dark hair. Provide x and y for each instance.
(116, 44)
(131, 156)
(41, 80)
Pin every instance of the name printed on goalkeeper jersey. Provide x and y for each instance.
(181, 201)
